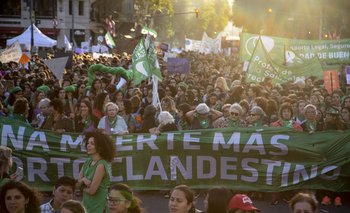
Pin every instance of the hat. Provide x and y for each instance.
(257, 110)
(202, 109)
(15, 89)
(243, 202)
(225, 106)
(43, 88)
(70, 88)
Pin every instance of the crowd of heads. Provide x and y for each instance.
(215, 82)
(214, 94)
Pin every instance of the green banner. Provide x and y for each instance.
(269, 159)
(330, 51)
(262, 66)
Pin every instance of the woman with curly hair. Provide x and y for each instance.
(94, 178)
(18, 197)
(121, 199)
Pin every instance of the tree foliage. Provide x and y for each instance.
(176, 19)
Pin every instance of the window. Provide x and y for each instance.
(81, 8)
(10, 8)
(45, 8)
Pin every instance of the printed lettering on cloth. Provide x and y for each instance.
(271, 159)
(329, 51)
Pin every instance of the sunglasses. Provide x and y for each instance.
(235, 113)
(253, 114)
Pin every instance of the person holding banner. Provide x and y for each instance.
(85, 120)
(202, 117)
(311, 125)
(286, 118)
(234, 118)
(255, 118)
(112, 123)
(94, 177)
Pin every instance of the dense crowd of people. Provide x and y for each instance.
(214, 94)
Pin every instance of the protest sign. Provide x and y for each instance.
(12, 53)
(178, 65)
(271, 159)
(192, 45)
(85, 46)
(210, 45)
(329, 51)
(331, 80)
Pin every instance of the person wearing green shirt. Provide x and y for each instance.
(94, 178)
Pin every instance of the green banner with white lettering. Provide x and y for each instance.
(262, 66)
(268, 159)
(329, 51)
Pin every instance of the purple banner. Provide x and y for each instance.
(178, 65)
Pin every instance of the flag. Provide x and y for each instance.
(109, 40)
(144, 62)
(67, 44)
(150, 31)
(24, 59)
(57, 65)
(261, 66)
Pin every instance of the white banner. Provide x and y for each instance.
(85, 46)
(192, 45)
(12, 53)
(99, 49)
(97, 55)
(210, 45)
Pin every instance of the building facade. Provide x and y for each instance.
(56, 18)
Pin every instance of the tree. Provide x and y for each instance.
(175, 19)
(147, 10)
(212, 18)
